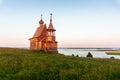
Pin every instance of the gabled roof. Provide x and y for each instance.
(39, 31)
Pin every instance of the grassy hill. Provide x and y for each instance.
(22, 64)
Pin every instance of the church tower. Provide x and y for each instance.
(51, 41)
(44, 38)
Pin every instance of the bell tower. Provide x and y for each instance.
(51, 42)
(51, 30)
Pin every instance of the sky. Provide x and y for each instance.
(78, 23)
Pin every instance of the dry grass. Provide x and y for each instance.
(114, 52)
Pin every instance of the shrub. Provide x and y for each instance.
(72, 54)
(89, 55)
(112, 57)
(77, 55)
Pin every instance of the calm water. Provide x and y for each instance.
(84, 52)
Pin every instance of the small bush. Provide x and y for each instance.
(77, 55)
(112, 57)
(72, 54)
(89, 55)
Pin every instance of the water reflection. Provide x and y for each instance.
(84, 52)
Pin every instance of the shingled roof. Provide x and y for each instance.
(50, 26)
(39, 31)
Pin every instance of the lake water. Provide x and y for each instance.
(84, 52)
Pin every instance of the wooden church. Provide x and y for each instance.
(44, 38)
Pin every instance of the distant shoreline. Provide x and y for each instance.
(101, 49)
(109, 51)
(96, 49)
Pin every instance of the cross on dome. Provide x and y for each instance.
(41, 16)
(51, 17)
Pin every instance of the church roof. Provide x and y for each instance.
(41, 22)
(50, 26)
(39, 31)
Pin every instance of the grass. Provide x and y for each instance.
(113, 52)
(22, 64)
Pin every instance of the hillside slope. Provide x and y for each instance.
(22, 64)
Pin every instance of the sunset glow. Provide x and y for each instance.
(78, 23)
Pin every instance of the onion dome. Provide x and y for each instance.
(41, 21)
